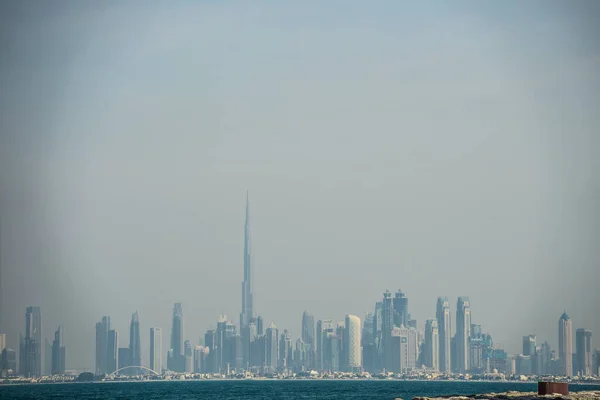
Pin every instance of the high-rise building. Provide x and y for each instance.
(247, 294)
(124, 359)
(2, 341)
(200, 354)
(272, 344)
(308, 335)
(47, 370)
(401, 316)
(529, 345)
(404, 350)
(369, 349)
(177, 361)
(285, 351)
(112, 356)
(583, 347)
(156, 349)
(323, 326)
(387, 323)
(477, 347)
(445, 334)
(188, 354)
(135, 349)
(210, 341)
(9, 361)
(565, 345)
(432, 347)
(596, 366)
(463, 333)
(32, 344)
(102, 329)
(352, 344)
(58, 353)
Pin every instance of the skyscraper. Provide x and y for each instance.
(247, 309)
(112, 355)
(583, 346)
(529, 345)
(134, 340)
(565, 345)
(463, 333)
(308, 336)
(445, 334)
(401, 317)
(323, 327)
(272, 348)
(177, 361)
(156, 349)
(432, 347)
(387, 323)
(58, 353)
(102, 329)
(33, 343)
(352, 343)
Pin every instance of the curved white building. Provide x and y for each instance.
(352, 345)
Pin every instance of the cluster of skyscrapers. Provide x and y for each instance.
(388, 341)
(33, 359)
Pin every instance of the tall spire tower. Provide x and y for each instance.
(247, 310)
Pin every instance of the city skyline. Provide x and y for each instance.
(446, 150)
(394, 329)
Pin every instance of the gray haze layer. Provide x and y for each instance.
(441, 148)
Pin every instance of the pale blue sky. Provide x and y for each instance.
(442, 148)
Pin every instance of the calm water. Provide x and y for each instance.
(222, 390)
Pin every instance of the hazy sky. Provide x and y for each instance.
(445, 148)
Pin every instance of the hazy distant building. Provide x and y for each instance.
(210, 341)
(247, 314)
(308, 335)
(2, 341)
(176, 360)
(369, 347)
(404, 350)
(523, 364)
(565, 345)
(596, 367)
(102, 329)
(400, 305)
(323, 327)
(200, 356)
(529, 345)
(272, 347)
(387, 323)
(58, 353)
(47, 359)
(445, 334)
(188, 354)
(135, 348)
(463, 333)
(247, 294)
(124, 358)
(583, 347)
(32, 344)
(156, 349)
(477, 348)
(544, 360)
(286, 351)
(9, 361)
(112, 356)
(352, 344)
(432, 358)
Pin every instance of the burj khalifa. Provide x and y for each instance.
(247, 310)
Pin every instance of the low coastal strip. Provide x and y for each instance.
(513, 395)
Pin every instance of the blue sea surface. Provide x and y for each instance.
(276, 389)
